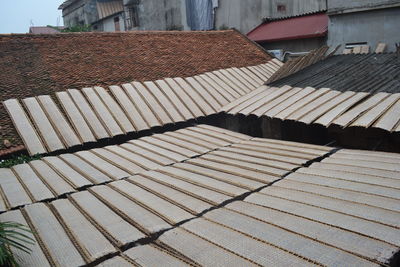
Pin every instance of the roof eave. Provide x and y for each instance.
(340, 11)
(66, 4)
(308, 36)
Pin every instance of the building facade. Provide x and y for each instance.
(351, 23)
(364, 22)
(121, 15)
(244, 15)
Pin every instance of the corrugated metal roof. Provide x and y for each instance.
(294, 65)
(108, 8)
(370, 73)
(303, 27)
(66, 4)
(301, 14)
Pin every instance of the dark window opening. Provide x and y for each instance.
(281, 8)
(133, 16)
(116, 24)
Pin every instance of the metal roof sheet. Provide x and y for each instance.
(370, 73)
(108, 8)
(303, 27)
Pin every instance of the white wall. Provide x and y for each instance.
(109, 25)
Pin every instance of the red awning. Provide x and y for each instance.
(293, 28)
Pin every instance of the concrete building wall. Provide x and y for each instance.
(82, 12)
(381, 25)
(299, 45)
(108, 24)
(74, 14)
(245, 15)
(161, 15)
(346, 6)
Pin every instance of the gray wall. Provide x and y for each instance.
(245, 15)
(374, 26)
(82, 11)
(153, 15)
(108, 24)
(162, 15)
(300, 45)
(346, 6)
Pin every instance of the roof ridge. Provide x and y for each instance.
(268, 19)
(64, 34)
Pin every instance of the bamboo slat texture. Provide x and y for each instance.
(101, 213)
(321, 106)
(54, 176)
(97, 113)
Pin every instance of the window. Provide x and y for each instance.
(352, 45)
(116, 24)
(281, 8)
(133, 16)
(356, 48)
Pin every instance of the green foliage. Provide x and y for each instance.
(13, 235)
(78, 28)
(54, 27)
(7, 163)
(223, 27)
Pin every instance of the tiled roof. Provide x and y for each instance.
(245, 201)
(32, 65)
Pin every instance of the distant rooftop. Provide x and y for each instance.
(299, 27)
(370, 73)
(43, 64)
(44, 30)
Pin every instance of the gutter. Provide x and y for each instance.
(371, 7)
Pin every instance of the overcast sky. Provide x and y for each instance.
(16, 16)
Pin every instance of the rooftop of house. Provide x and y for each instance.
(66, 4)
(44, 30)
(359, 90)
(368, 72)
(296, 27)
(206, 196)
(33, 65)
(197, 195)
